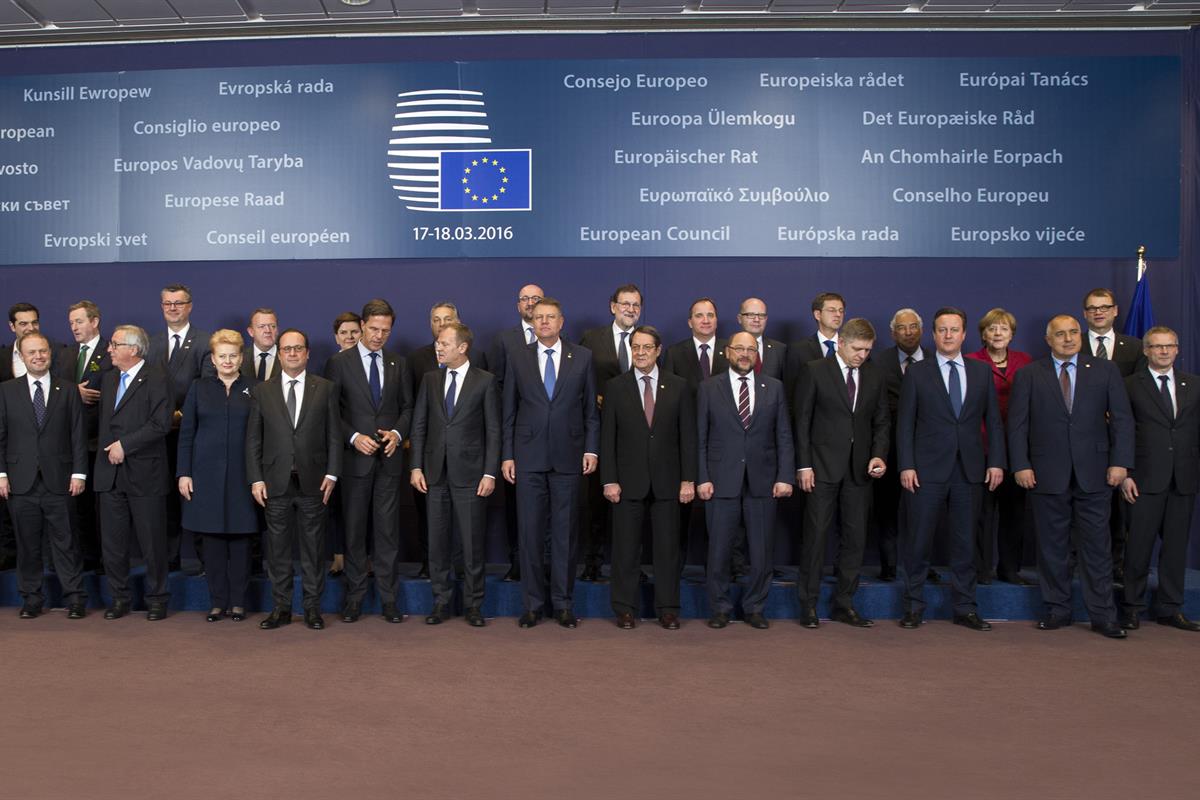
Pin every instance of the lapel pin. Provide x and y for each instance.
(568, 355)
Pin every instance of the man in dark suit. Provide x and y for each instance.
(889, 507)
(455, 459)
(752, 317)
(647, 464)
(610, 358)
(260, 358)
(1161, 487)
(828, 310)
(514, 340)
(1103, 341)
(947, 403)
(132, 478)
(85, 366)
(180, 351)
(1070, 434)
(293, 459)
(551, 434)
(842, 432)
(43, 464)
(375, 399)
(746, 460)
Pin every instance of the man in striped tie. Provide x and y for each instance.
(746, 462)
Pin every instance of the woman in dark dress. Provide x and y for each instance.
(212, 475)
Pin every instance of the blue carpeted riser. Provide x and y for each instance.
(874, 599)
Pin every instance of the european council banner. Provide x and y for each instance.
(774, 157)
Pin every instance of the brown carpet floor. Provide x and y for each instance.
(187, 709)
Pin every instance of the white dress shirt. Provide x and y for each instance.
(1170, 373)
(271, 356)
(285, 381)
(45, 380)
(735, 381)
(182, 333)
(1110, 342)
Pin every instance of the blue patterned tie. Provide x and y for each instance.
(376, 385)
(829, 348)
(550, 377)
(955, 390)
(39, 404)
(450, 393)
(121, 390)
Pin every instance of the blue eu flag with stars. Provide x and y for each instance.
(486, 180)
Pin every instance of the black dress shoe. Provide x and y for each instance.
(984, 579)
(910, 621)
(1110, 630)
(932, 576)
(1178, 620)
(513, 575)
(669, 620)
(849, 616)
(76, 611)
(809, 619)
(474, 617)
(439, 615)
(351, 612)
(391, 613)
(719, 620)
(591, 574)
(117, 610)
(529, 619)
(625, 621)
(887, 574)
(216, 615)
(566, 618)
(1130, 621)
(276, 619)
(313, 619)
(336, 573)
(156, 612)
(972, 621)
(1053, 623)
(30, 611)
(423, 573)
(237, 614)
(1016, 580)
(757, 621)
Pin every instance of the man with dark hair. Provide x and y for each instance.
(828, 310)
(946, 404)
(455, 458)
(43, 464)
(551, 435)
(375, 402)
(22, 318)
(610, 357)
(260, 358)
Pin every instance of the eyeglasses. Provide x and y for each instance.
(121, 344)
(176, 303)
(1094, 309)
(628, 305)
(643, 348)
(293, 348)
(743, 350)
(754, 314)
(1162, 346)
(529, 298)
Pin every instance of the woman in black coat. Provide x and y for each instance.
(212, 475)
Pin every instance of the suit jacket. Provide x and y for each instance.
(835, 441)
(141, 424)
(99, 363)
(800, 353)
(463, 448)
(606, 362)
(358, 412)
(681, 359)
(313, 449)
(420, 361)
(6, 354)
(1126, 353)
(57, 451)
(889, 362)
(1166, 446)
(250, 364)
(928, 436)
(192, 362)
(774, 358)
(728, 454)
(500, 353)
(1097, 433)
(642, 457)
(550, 433)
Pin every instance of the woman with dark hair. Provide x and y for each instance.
(211, 473)
(347, 330)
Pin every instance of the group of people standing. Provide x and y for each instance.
(702, 435)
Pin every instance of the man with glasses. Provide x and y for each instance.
(752, 316)
(610, 357)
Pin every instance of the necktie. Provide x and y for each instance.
(40, 404)
(262, 365)
(648, 401)
(758, 361)
(623, 353)
(1064, 380)
(908, 362)
(744, 403)
(374, 382)
(291, 401)
(81, 363)
(529, 331)
(851, 387)
(955, 384)
(450, 392)
(1101, 348)
(1166, 396)
(174, 349)
(705, 364)
(121, 390)
(829, 348)
(549, 378)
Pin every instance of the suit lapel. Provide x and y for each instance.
(566, 367)
(130, 387)
(310, 389)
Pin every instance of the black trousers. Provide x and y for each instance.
(1167, 515)
(889, 508)
(40, 515)
(850, 500)
(371, 499)
(122, 517)
(227, 564)
(960, 498)
(725, 515)
(85, 519)
(451, 510)
(628, 518)
(596, 530)
(305, 515)
(1001, 527)
(548, 508)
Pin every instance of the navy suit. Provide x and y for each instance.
(498, 356)
(547, 438)
(1070, 453)
(743, 464)
(951, 462)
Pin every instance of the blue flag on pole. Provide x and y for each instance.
(486, 180)
(1141, 316)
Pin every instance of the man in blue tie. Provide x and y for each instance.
(551, 434)
(947, 405)
(828, 310)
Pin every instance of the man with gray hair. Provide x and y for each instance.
(131, 475)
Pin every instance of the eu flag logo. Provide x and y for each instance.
(486, 180)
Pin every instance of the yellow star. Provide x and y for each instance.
(474, 197)
(485, 200)
(464, 180)
(502, 169)
(467, 189)
(475, 162)
(467, 170)
(494, 197)
(495, 162)
(504, 180)
(503, 190)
